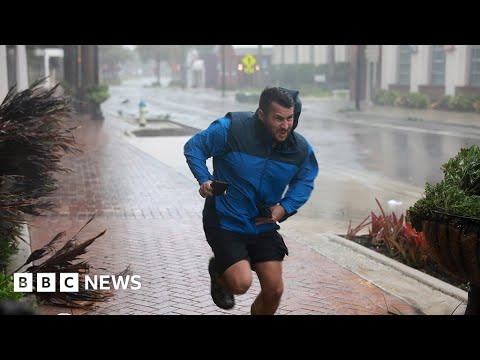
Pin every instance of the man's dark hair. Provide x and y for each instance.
(275, 94)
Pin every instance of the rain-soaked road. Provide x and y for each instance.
(360, 157)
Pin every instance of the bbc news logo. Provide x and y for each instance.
(69, 282)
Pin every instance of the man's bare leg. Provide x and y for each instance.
(237, 278)
(270, 275)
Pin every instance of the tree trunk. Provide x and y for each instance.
(90, 78)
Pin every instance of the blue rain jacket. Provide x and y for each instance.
(243, 156)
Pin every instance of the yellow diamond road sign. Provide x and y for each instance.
(249, 60)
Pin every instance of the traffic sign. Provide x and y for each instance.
(249, 60)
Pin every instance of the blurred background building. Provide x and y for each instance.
(358, 70)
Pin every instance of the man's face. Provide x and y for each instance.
(279, 121)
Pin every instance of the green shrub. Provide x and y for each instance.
(385, 97)
(460, 103)
(6, 288)
(342, 73)
(442, 104)
(98, 94)
(417, 100)
(247, 97)
(177, 83)
(457, 194)
(411, 100)
(8, 245)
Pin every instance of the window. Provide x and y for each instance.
(404, 65)
(475, 66)
(438, 65)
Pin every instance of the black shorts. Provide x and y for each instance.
(230, 247)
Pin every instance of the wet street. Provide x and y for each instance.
(360, 157)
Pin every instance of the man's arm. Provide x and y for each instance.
(207, 143)
(301, 186)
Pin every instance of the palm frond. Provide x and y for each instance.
(68, 259)
(34, 135)
(40, 253)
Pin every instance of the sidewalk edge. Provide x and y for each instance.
(408, 271)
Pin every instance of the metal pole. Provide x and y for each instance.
(96, 65)
(330, 63)
(260, 65)
(357, 76)
(183, 68)
(223, 70)
(46, 69)
(369, 74)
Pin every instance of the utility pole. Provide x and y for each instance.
(96, 65)
(89, 77)
(358, 74)
(183, 68)
(223, 70)
(260, 66)
(372, 55)
(330, 63)
(70, 66)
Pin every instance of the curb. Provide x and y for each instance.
(445, 118)
(426, 279)
(426, 293)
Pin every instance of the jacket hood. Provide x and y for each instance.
(298, 106)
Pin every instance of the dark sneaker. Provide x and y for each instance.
(220, 296)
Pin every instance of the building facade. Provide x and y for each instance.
(435, 70)
(310, 54)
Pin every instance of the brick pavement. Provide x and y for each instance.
(153, 219)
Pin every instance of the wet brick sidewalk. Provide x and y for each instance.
(153, 219)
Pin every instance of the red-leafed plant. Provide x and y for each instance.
(352, 232)
(396, 235)
(401, 239)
